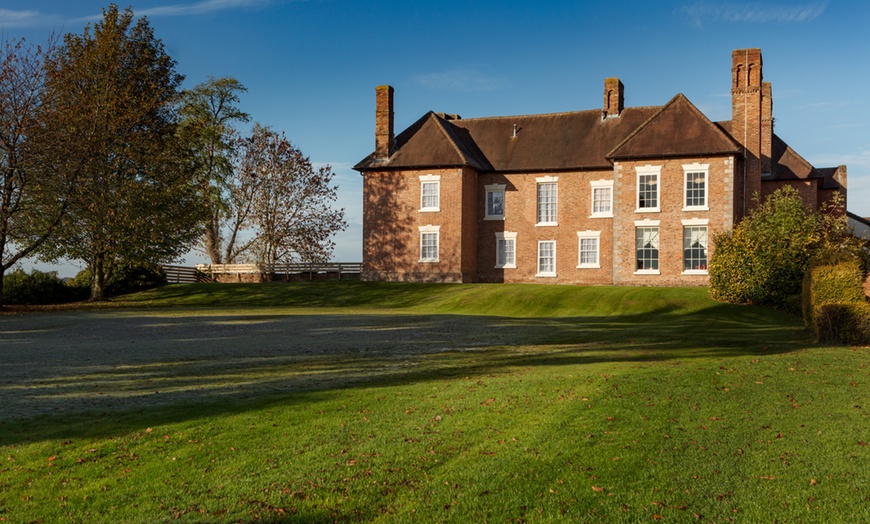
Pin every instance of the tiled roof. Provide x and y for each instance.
(677, 129)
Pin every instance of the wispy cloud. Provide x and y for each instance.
(757, 13)
(460, 80)
(27, 18)
(201, 7)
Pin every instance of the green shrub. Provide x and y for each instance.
(762, 261)
(831, 283)
(843, 323)
(125, 277)
(37, 288)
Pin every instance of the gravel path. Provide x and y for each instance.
(99, 360)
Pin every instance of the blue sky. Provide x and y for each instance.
(311, 67)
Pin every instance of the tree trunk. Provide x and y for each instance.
(98, 277)
(213, 239)
(2, 274)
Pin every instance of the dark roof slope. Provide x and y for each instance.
(677, 129)
(576, 140)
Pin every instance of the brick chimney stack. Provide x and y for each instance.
(614, 100)
(384, 136)
(751, 119)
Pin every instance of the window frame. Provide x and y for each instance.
(647, 171)
(550, 273)
(430, 180)
(692, 169)
(547, 181)
(492, 189)
(506, 237)
(640, 225)
(599, 185)
(589, 235)
(427, 231)
(697, 223)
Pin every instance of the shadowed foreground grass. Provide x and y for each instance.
(401, 402)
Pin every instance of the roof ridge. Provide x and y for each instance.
(560, 113)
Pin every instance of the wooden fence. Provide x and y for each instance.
(301, 270)
(184, 275)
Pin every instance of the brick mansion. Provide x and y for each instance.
(614, 195)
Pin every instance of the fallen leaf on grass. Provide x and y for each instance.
(766, 477)
(813, 482)
(597, 489)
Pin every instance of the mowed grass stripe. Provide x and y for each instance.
(624, 405)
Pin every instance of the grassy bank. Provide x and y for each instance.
(545, 403)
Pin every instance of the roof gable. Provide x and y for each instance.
(430, 142)
(677, 129)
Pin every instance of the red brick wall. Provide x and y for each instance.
(574, 208)
(391, 222)
(720, 189)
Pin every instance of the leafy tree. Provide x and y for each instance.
(291, 206)
(33, 194)
(764, 258)
(115, 92)
(208, 113)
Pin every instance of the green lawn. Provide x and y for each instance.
(524, 404)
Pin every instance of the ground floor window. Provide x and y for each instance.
(647, 249)
(429, 237)
(506, 250)
(588, 249)
(695, 249)
(546, 258)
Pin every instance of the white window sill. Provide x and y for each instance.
(695, 272)
(589, 266)
(507, 266)
(546, 224)
(545, 275)
(494, 217)
(647, 272)
(697, 208)
(648, 210)
(601, 215)
(430, 210)
(428, 260)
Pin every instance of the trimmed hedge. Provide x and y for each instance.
(833, 283)
(844, 323)
(834, 304)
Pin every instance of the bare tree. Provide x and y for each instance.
(34, 193)
(292, 200)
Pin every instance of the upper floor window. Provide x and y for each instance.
(494, 202)
(548, 199)
(695, 189)
(602, 198)
(648, 188)
(430, 192)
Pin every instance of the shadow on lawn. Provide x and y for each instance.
(97, 374)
